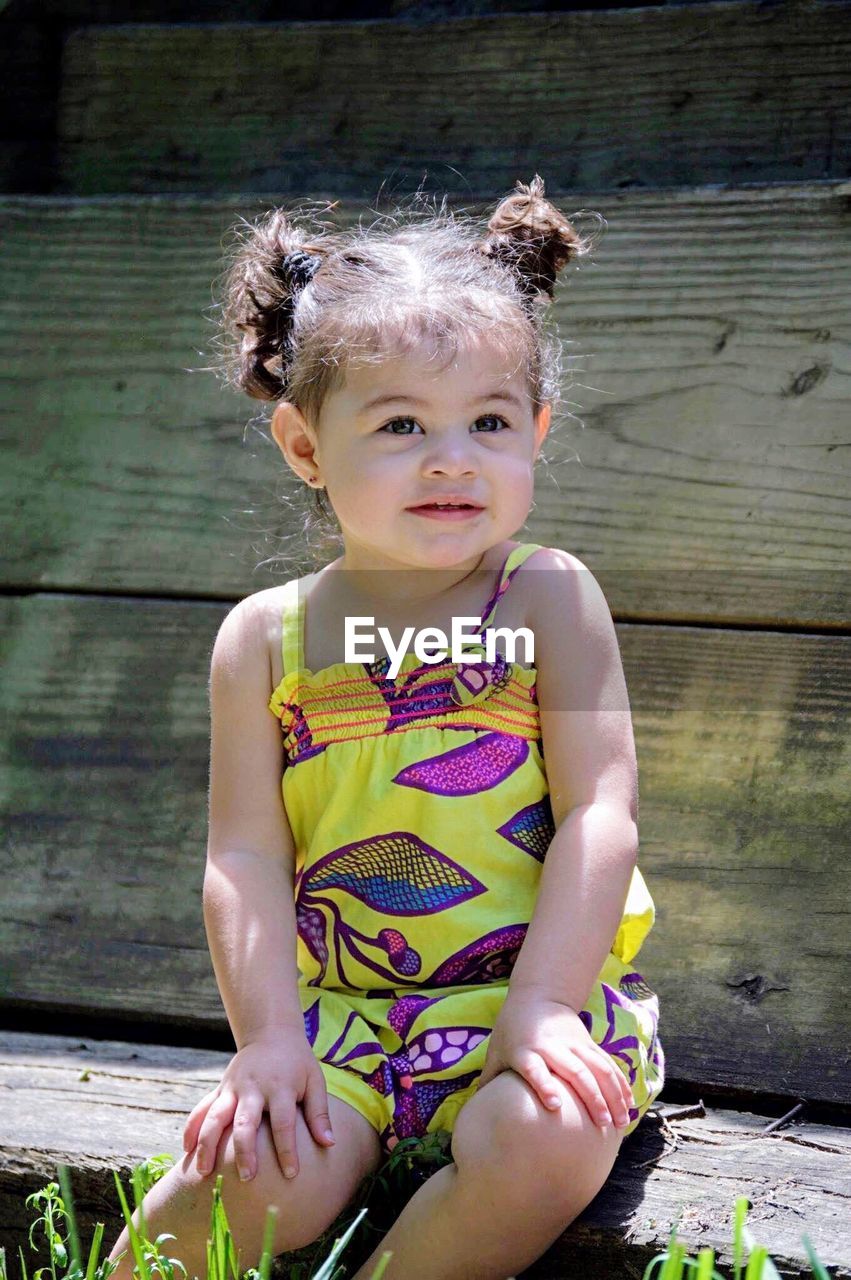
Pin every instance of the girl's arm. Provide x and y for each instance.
(593, 781)
(249, 909)
(591, 771)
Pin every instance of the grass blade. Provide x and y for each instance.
(64, 1176)
(325, 1271)
(135, 1240)
(740, 1212)
(818, 1269)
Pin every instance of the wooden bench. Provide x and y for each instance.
(705, 483)
(104, 1105)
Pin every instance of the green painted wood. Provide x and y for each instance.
(743, 750)
(703, 476)
(612, 99)
(104, 1105)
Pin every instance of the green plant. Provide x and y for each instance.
(385, 1192)
(673, 1261)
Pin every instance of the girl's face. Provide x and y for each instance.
(466, 431)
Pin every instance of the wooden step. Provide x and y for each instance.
(702, 477)
(99, 1105)
(743, 752)
(605, 99)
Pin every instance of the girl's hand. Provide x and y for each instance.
(273, 1073)
(539, 1038)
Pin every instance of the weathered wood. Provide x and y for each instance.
(743, 750)
(104, 1105)
(706, 475)
(77, 12)
(623, 97)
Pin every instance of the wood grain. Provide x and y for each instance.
(99, 1105)
(743, 749)
(705, 474)
(601, 99)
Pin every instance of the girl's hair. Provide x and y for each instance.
(299, 303)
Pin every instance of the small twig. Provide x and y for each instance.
(684, 1113)
(672, 1146)
(778, 1124)
(668, 1131)
(698, 1110)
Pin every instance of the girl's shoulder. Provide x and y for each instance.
(555, 588)
(268, 606)
(540, 571)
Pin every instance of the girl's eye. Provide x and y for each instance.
(388, 426)
(392, 423)
(493, 417)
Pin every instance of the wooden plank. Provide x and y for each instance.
(743, 750)
(77, 12)
(704, 474)
(83, 11)
(605, 99)
(104, 1105)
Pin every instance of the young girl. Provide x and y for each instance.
(421, 894)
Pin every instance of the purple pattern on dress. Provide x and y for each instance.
(311, 1022)
(475, 766)
(611, 1043)
(395, 873)
(531, 828)
(405, 700)
(398, 874)
(404, 1013)
(487, 959)
(634, 985)
(474, 682)
(364, 1048)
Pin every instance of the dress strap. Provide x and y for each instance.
(292, 624)
(512, 563)
(295, 595)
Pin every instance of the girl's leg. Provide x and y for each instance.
(520, 1175)
(181, 1201)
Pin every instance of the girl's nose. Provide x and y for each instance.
(450, 460)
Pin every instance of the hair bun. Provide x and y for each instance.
(532, 237)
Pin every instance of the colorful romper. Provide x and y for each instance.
(420, 812)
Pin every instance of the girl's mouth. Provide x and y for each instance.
(434, 512)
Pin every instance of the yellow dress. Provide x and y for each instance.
(420, 812)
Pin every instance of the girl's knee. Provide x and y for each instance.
(310, 1203)
(495, 1125)
(506, 1128)
(246, 1204)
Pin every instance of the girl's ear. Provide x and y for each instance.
(294, 438)
(542, 425)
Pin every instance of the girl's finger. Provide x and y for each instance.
(195, 1117)
(315, 1107)
(246, 1121)
(589, 1090)
(540, 1078)
(608, 1080)
(282, 1121)
(622, 1083)
(625, 1088)
(215, 1122)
